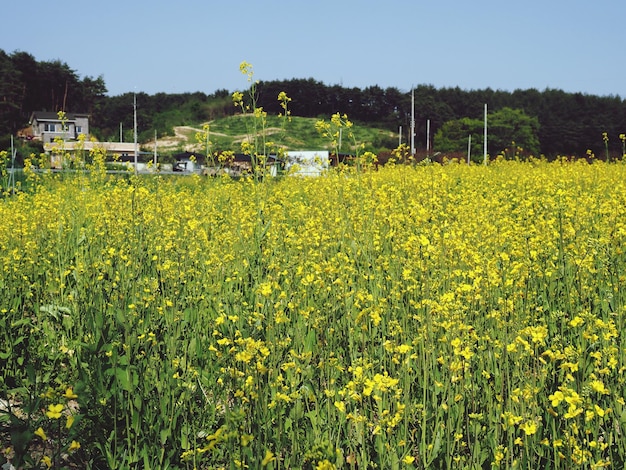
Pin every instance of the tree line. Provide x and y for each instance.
(28, 85)
(561, 123)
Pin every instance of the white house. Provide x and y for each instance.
(307, 162)
(117, 151)
(46, 126)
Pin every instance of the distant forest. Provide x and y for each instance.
(569, 123)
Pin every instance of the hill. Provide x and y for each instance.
(298, 134)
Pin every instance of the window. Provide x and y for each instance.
(79, 129)
(50, 127)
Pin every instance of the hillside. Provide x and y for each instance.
(299, 134)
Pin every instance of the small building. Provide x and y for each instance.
(294, 163)
(307, 162)
(240, 164)
(116, 151)
(188, 162)
(46, 126)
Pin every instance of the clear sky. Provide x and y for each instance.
(193, 45)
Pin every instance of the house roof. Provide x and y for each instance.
(188, 155)
(244, 157)
(112, 147)
(52, 116)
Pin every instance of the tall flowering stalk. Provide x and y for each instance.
(204, 138)
(285, 116)
(256, 145)
(4, 173)
(335, 131)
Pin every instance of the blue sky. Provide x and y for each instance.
(188, 45)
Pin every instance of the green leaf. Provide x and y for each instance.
(288, 424)
(165, 434)
(138, 402)
(22, 322)
(123, 377)
(184, 440)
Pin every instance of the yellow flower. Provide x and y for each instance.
(499, 456)
(599, 387)
(510, 419)
(75, 445)
(572, 412)
(41, 433)
(237, 97)
(47, 461)
(246, 439)
(573, 399)
(265, 289)
(269, 457)
(556, 398)
(325, 465)
(246, 69)
(282, 96)
(576, 321)
(408, 460)
(529, 427)
(69, 394)
(54, 411)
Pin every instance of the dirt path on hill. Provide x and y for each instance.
(184, 137)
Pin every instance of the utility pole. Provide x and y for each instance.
(485, 138)
(135, 128)
(11, 181)
(427, 138)
(412, 121)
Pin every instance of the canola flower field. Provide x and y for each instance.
(436, 316)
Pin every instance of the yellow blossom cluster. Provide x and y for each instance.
(434, 316)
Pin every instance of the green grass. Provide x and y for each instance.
(298, 134)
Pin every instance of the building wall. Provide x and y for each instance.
(75, 127)
(81, 125)
(307, 163)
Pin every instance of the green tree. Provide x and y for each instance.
(92, 93)
(508, 128)
(508, 131)
(9, 95)
(453, 136)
